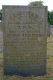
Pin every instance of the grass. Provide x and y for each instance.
(49, 76)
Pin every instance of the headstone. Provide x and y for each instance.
(51, 30)
(25, 35)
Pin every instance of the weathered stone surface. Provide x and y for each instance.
(25, 35)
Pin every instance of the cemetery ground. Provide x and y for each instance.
(49, 76)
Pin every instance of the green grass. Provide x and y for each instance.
(49, 76)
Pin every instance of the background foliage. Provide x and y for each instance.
(50, 17)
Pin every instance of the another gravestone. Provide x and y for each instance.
(1, 38)
(25, 36)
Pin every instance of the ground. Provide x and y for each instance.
(49, 76)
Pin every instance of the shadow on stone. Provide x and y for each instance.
(13, 71)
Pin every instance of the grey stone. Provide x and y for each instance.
(25, 40)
